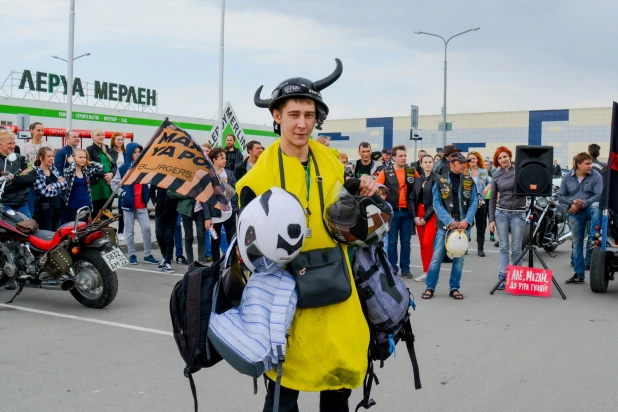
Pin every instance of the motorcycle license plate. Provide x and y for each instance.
(114, 259)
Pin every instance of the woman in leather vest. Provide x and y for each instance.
(425, 219)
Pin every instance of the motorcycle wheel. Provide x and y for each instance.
(599, 270)
(101, 284)
(524, 240)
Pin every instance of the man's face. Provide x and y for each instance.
(458, 167)
(7, 147)
(386, 157)
(73, 139)
(38, 131)
(297, 120)
(256, 151)
(220, 161)
(585, 166)
(229, 141)
(555, 162)
(400, 158)
(365, 154)
(421, 153)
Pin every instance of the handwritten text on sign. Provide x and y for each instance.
(522, 280)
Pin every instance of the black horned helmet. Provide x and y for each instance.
(300, 87)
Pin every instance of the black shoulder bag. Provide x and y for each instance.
(322, 275)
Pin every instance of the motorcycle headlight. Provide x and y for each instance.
(541, 202)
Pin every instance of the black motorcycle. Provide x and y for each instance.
(548, 224)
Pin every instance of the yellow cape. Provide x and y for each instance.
(327, 346)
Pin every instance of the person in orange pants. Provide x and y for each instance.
(425, 219)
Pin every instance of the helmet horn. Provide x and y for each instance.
(330, 79)
(259, 102)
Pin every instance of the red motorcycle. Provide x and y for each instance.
(80, 257)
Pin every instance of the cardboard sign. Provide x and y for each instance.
(232, 125)
(522, 280)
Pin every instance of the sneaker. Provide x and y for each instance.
(120, 236)
(406, 274)
(168, 268)
(10, 285)
(497, 244)
(209, 259)
(492, 238)
(575, 280)
(182, 260)
(150, 259)
(132, 260)
(421, 277)
(161, 265)
(501, 286)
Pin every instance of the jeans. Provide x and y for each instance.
(223, 240)
(144, 223)
(401, 229)
(516, 222)
(31, 201)
(165, 227)
(207, 246)
(22, 209)
(230, 231)
(439, 251)
(178, 237)
(187, 223)
(330, 401)
(578, 227)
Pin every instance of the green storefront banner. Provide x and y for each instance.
(94, 117)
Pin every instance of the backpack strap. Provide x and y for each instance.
(193, 325)
(280, 360)
(409, 338)
(367, 402)
(385, 265)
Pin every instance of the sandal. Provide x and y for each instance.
(455, 294)
(428, 294)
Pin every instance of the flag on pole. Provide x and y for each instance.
(173, 160)
(609, 197)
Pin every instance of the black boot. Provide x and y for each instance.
(481, 243)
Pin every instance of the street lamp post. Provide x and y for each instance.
(445, 46)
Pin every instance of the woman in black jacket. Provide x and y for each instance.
(100, 184)
(425, 219)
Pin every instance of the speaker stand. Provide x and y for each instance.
(531, 250)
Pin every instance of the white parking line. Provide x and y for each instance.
(152, 271)
(101, 322)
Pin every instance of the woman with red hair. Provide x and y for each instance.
(507, 212)
(476, 169)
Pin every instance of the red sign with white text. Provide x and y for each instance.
(522, 280)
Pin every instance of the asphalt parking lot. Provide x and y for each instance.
(485, 353)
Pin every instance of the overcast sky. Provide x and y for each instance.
(529, 54)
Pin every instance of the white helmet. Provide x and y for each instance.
(271, 229)
(456, 243)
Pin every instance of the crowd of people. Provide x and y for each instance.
(51, 185)
(426, 198)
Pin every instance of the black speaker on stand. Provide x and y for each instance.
(534, 170)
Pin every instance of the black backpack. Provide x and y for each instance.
(191, 304)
